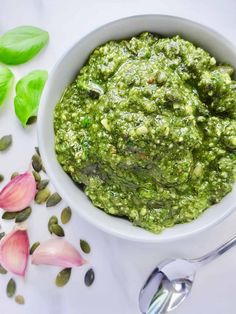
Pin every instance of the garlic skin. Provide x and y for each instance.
(18, 193)
(57, 252)
(14, 251)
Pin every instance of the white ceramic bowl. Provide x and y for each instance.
(65, 71)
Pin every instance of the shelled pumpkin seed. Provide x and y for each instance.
(14, 174)
(23, 215)
(34, 247)
(42, 184)
(9, 215)
(1, 178)
(89, 277)
(66, 215)
(85, 247)
(63, 277)
(52, 220)
(37, 162)
(3, 271)
(37, 176)
(42, 196)
(19, 299)
(5, 142)
(11, 288)
(57, 230)
(37, 150)
(53, 200)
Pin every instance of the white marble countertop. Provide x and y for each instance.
(120, 266)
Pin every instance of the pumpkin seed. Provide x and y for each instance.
(14, 175)
(9, 215)
(1, 177)
(2, 234)
(89, 277)
(53, 220)
(22, 216)
(53, 200)
(57, 230)
(85, 247)
(37, 150)
(37, 163)
(5, 142)
(42, 196)
(66, 215)
(19, 299)
(34, 247)
(11, 288)
(3, 271)
(63, 277)
(37, 176)
(42, 184)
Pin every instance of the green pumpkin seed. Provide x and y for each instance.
(57, 230)
(11, 288)
(37, 176)
(22, 216)
(3, 271)
(89, 277)
(42, 196)
(5, 142)
(85, 247)
(52, 221)
(37, 163)
(53, 200)
(9, 215)
(34, 247)
(19, 299)
(37, 150)
(14, 175)
(2, 234)
(66, 215)
(63, 277)
(1, 178)
(42, 184)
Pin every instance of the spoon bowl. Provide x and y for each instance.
(167, 286)
(170, 283)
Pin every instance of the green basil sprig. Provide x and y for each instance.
(21, 44)
(28, 94)
(6, 80)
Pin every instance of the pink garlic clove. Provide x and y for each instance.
(18, 193)
(14, 251)
(57, 252)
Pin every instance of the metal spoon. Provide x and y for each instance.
(170, 283)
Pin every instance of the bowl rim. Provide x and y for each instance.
(110, 230)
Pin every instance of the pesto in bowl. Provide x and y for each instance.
(148, 129)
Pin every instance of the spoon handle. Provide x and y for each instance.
(205, 259)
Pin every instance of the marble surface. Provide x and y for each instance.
(120, 266)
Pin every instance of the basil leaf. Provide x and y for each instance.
(28, 94)
(21, 44)
(6, 80)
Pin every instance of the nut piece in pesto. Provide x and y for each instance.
(148, 127)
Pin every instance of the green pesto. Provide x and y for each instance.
(149, 129)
